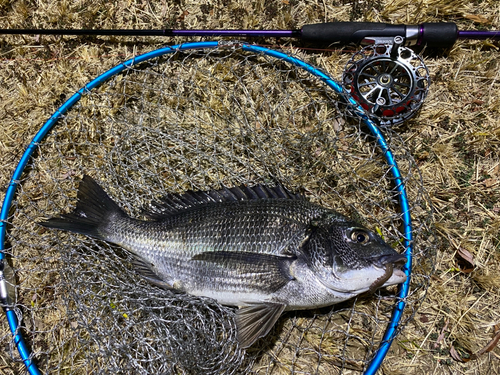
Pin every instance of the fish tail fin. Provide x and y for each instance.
(94, 211)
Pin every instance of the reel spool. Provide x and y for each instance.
(388, 80)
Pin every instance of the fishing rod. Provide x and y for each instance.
(442, 34)
(388, 79)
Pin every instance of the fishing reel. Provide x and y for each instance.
(388, 80)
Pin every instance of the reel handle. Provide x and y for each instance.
(441, 35)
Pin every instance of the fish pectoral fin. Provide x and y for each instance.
(271, 272)
(255, 320)
(240, 259)
(146, 271)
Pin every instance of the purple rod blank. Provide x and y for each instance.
(479, 35)
(254, 33)
(164, 32)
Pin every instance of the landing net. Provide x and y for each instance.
(198, 119)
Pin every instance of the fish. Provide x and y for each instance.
(262, 249)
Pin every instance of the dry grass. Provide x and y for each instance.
(455, 139)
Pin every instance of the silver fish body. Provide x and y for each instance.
(262, 249)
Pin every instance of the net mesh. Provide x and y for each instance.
(199, 120)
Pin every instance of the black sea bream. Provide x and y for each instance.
(260, 248)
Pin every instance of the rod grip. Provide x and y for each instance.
(438, 35)
(349, 32)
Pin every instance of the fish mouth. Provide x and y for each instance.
(358, 280)
(397, 260)
(393, 265)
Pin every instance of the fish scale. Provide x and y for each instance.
(256, 230)
(260, 248)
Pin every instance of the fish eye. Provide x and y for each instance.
(360, 236)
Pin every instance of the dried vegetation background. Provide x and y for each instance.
(455, 138)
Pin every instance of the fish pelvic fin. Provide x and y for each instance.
(255, 320)
(94, 210)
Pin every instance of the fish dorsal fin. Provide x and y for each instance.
(255, 320)
(174, 203)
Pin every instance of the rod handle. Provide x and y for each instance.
(439, 35)
(348, 32)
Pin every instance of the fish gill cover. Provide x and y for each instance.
(201, 120)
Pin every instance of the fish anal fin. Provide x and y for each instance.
(255, 320)
(145, 270)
